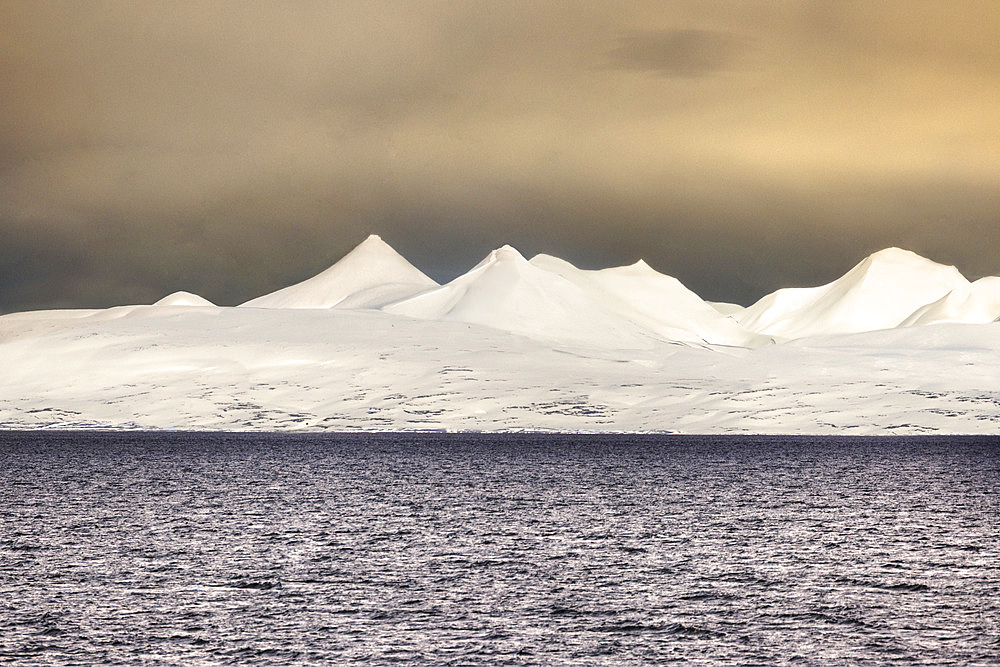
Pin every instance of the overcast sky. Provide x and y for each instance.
(232, 148)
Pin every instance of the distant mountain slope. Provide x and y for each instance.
(373, 344)
(183, 299)
(654, 301)
(977, 303)
(880, 292)
(367, 277)
(507, 292)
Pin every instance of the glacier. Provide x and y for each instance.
(898, 345)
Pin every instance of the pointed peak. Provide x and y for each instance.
(506, 252)
(373, 263)
(374, 242)
(371, 249)
(637, 268)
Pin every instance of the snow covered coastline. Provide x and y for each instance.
(898, 345)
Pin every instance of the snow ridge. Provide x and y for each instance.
(370, 275)
(373, 344)
(976, 303)
(654, 301)
(625, 307)
(184, 299)
(506, 292)
(880, 292)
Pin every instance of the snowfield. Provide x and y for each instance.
(898, 345)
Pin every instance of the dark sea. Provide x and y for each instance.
(469, 549)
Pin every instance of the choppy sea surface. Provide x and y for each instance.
(470, 549)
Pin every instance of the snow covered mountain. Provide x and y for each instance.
(550, 299)
(506, 292)
(372, 343)
(183, 299)
(975, 303)
(370, 275)
(880, 292)
(654, 301)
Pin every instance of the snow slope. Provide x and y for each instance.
(183, 299)
(372, 344)
(976, 303)
(654, 301)
(506, 292)
(370, 275)
(270, 369)
(728, 309)
(879, 293)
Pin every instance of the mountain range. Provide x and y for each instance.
(898, 344)
(550, 299)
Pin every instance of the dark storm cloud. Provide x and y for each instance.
(675, 52)
(232, 148)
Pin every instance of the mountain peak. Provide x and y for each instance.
(895, 255)
(373, 240)
(372, 244)
(640, 267)
(897, 264)
(371, 265)
(507, 292)
(880, 292)
(894, 252)
(507, 252)
(183, 299)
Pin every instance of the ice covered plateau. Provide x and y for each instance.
(898, 345)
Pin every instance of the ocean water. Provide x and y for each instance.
(189, 549)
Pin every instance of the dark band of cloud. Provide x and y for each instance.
(230, 149)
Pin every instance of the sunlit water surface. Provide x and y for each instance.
(517, 549)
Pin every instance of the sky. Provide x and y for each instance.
(233, 148)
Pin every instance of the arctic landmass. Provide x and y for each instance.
(898, 345)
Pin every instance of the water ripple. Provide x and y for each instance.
(125, 548)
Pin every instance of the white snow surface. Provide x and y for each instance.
(976, 303)
(506, 292)
(183, 299)
(726, 308)
(656, 302)
(879, 293)
(370, 275)
(518, 345)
